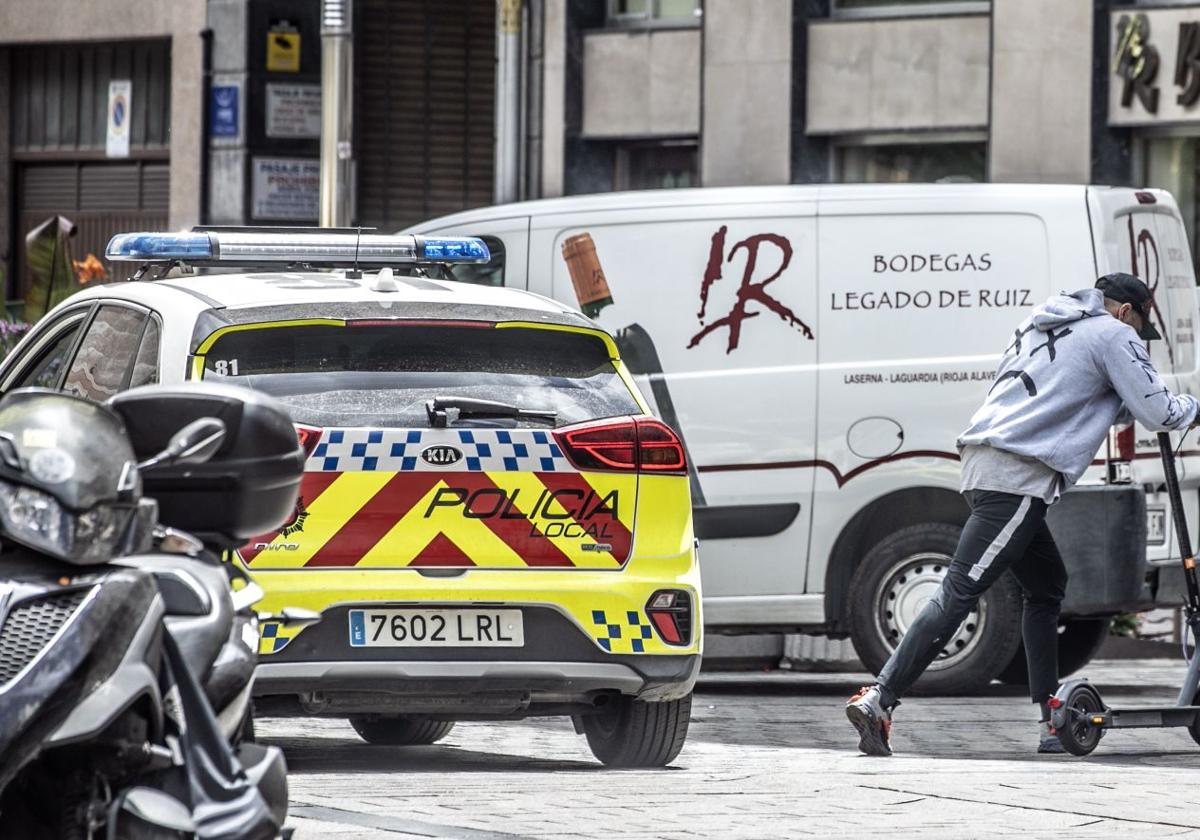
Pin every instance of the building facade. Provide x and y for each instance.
(223, 102)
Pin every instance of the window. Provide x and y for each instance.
(653, 166)
(145, 366)
(106, 353)
(650, 13)
(383, 375)
(47, 367)
(906, 8)
(918, 163)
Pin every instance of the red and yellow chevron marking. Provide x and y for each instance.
(455, 520)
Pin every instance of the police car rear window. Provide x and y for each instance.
(384, 374)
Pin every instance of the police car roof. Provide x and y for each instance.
(280, 288)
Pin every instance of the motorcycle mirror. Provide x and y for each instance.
(195, 443)
(158, 809)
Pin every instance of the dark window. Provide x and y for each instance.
(47, 367)
(383, 375)
(917, 163)
(639, 13)
(145, 366)
(653, 166)
(105, 354)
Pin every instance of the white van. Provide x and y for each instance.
(821, 347)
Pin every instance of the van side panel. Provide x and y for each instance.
(713, 308)
(918, 301)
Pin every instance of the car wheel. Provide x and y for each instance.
(400, 731)
(634, 733)
(894, 581)
(1079, 639)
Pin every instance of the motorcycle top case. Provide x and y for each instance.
(250, 486)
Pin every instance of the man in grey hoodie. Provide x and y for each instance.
(1072, 369)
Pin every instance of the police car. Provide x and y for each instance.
(491, 525)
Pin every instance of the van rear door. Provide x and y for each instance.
(1141, 232)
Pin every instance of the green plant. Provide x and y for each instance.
(1125, 624)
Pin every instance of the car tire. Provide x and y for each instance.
(896, 577)
(1079, 641)
(635, 733)
(400, 731)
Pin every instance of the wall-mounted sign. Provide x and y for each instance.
(1155, 66)
(283, 48)
(120, 99)
(285, 188)
(293, 111)
(223, 111)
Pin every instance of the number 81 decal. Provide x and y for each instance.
(226, 367)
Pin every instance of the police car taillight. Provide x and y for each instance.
(670, 611)
(309, 438)
(626, 444)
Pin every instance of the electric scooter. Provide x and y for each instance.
(1080, 718)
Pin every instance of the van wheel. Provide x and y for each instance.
(894, 581)
(400, 731)
(1079, 640)
(634, 733)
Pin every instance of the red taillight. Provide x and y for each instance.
(627, 444)
(1125, 444)
(309, 438)
(659, 448)
(670, 611)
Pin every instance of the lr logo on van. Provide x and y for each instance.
(749, 290)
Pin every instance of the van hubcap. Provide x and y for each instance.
(902, 593)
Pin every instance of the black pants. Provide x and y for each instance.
(1004, 532)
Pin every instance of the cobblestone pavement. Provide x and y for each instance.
(769, 755)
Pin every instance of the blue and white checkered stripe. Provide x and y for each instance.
(399, 450)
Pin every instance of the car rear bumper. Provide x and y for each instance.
(468, 688)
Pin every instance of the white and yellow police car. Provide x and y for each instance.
(491, 523)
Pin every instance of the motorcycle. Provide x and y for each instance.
(127, 646)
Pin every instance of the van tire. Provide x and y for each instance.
(400, 731)
(635, 733)
(919, 554)
(1079, 641)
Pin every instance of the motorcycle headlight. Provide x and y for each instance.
(37, 520)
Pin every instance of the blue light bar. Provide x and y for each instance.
(159, 247)
(453, 249)
(251, 247)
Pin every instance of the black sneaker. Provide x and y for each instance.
(872, 720)
(1048, 743)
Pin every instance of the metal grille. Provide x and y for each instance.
(425, 87)
(30, 626)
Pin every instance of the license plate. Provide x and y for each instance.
(1156, 526)
(436, 628)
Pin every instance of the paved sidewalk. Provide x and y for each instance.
(769, 755)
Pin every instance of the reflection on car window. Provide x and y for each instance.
(145, 366)
(490, 273)
(105, 354)
(46, 369)
(369, 375)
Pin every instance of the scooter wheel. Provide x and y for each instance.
(1079, 736)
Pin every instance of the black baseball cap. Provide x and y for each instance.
(1125, 288)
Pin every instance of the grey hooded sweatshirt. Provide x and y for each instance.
(1069, 373)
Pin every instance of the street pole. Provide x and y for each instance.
(337, 112)
(508, 99)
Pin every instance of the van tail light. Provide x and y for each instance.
(670, 611)
(1122, 446)
(309, 438)
(627, 444)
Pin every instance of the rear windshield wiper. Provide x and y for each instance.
(437, 409)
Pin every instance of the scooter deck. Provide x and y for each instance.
(1146, 717)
